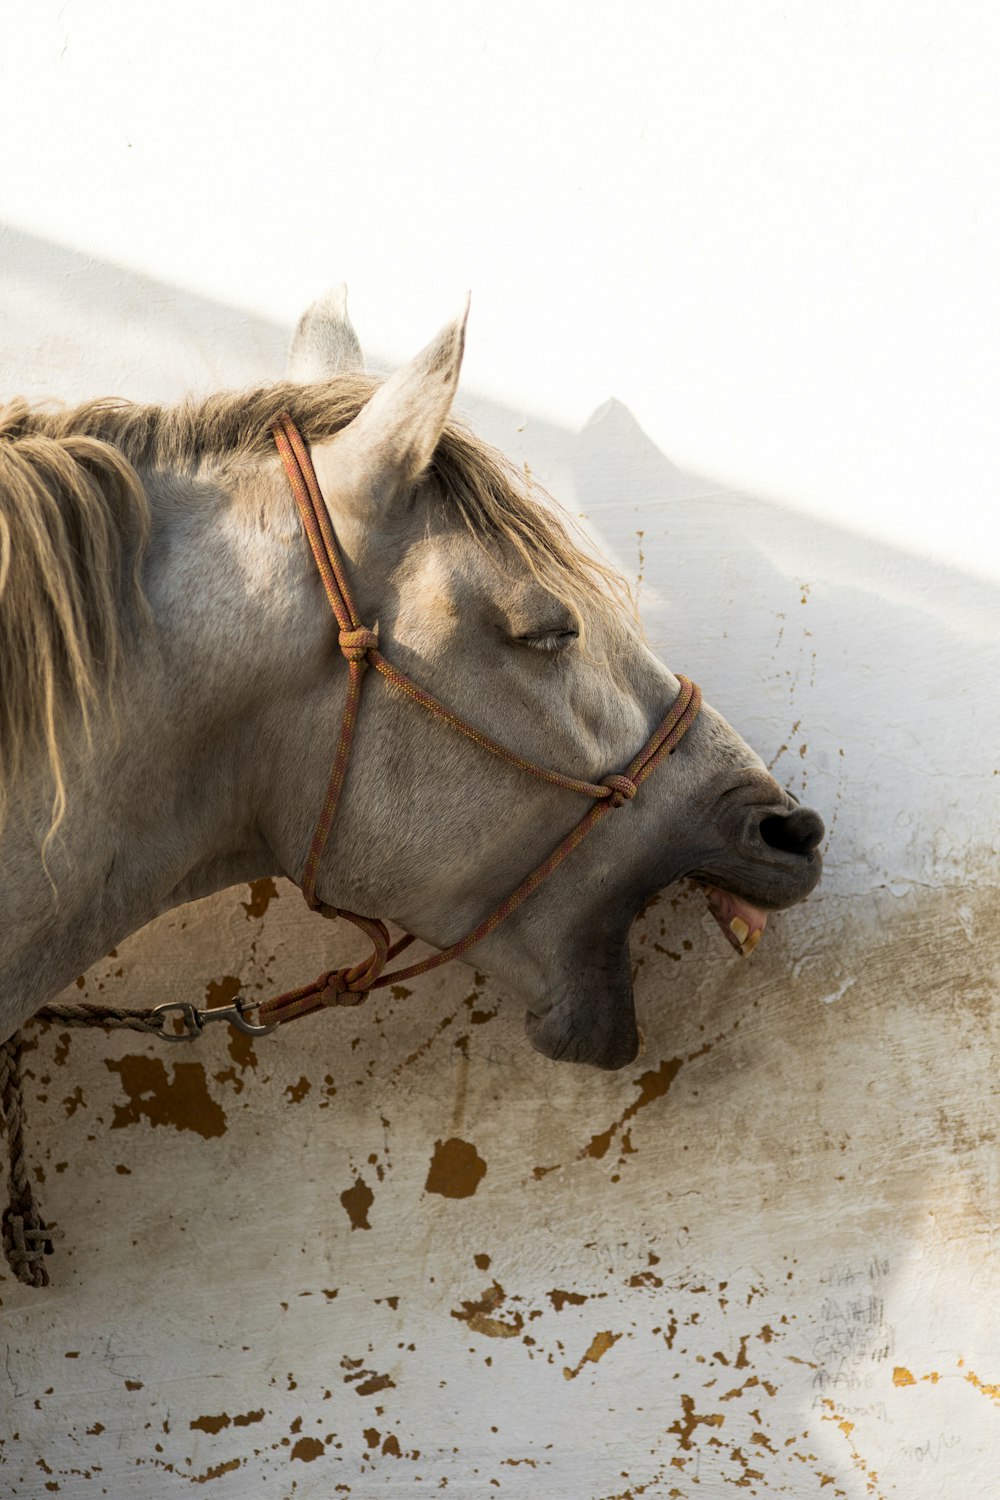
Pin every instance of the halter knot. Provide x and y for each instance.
(622, 789)
(356, 644)
(337, 991)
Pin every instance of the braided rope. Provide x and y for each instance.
(25, 1236)
(129, 1019)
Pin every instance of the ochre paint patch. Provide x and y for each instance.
(245, 1418)
(456, 1169)
(992, 1391)
(652, 1084)
(599, 1346)
(262, 893)
(374, 1384)
(241, 1049)
(212, 1424)
(308, 1448)
(478, 1315)
(357, 1200)
(685, 1426)
(182, 1101)
(222, 991)
(559, 1298)
(216, 1472)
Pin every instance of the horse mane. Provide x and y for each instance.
(75, 524)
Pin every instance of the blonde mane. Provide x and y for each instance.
(75, 522)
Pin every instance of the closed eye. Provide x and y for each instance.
(555, 638)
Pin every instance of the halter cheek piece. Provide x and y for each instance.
(359, 645)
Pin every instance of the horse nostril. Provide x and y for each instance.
(797, 832)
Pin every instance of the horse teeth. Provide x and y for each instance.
(740, 930)
(747, 948)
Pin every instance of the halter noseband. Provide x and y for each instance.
(359, 645)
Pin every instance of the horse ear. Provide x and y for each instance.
(376, 460)
(325, 343)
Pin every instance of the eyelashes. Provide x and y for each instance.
(556, 638)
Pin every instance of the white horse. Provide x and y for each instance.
(173, 689)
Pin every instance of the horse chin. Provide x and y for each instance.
(591, 1028)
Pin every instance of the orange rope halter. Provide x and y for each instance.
(359, 645)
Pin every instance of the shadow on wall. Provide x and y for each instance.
(76, 327)
(768, 1210)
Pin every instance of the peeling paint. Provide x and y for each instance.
(456, 1169)
(599, 1346)
(478, 1315)
(357, 1201)
(262, 893)
(181, 1100)
(685, 1425)
(652, 1085)
(307, 1448)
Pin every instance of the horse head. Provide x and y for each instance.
(480, 593)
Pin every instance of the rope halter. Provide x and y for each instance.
(359, 646)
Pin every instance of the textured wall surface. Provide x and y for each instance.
(393, 1251)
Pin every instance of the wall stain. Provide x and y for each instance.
(216, 1472)
(212, 1424)
(308, 1448)
(478, 1315)
(560, 1298)
(262, 893)
(685, 1426)
(992, 1391)
(599, 1346)
(241, 1049)
(370, 1382)
(456, 1169)
(222, 991)
(652, 1085)
(182, 1101)
(357, 1200)
(846, 1427)
(219, 1423)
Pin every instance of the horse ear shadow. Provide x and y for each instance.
(325, 343)
(371, 466)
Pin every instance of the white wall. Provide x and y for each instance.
(735, 301)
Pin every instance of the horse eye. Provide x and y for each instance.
(549, 640)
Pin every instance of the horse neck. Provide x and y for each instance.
(161, 803)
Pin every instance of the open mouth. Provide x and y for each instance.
(741, 922)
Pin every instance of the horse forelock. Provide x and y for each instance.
(75, 523)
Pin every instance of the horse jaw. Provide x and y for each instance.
(591, 1019)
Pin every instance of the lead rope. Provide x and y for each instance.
(26, 1239)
